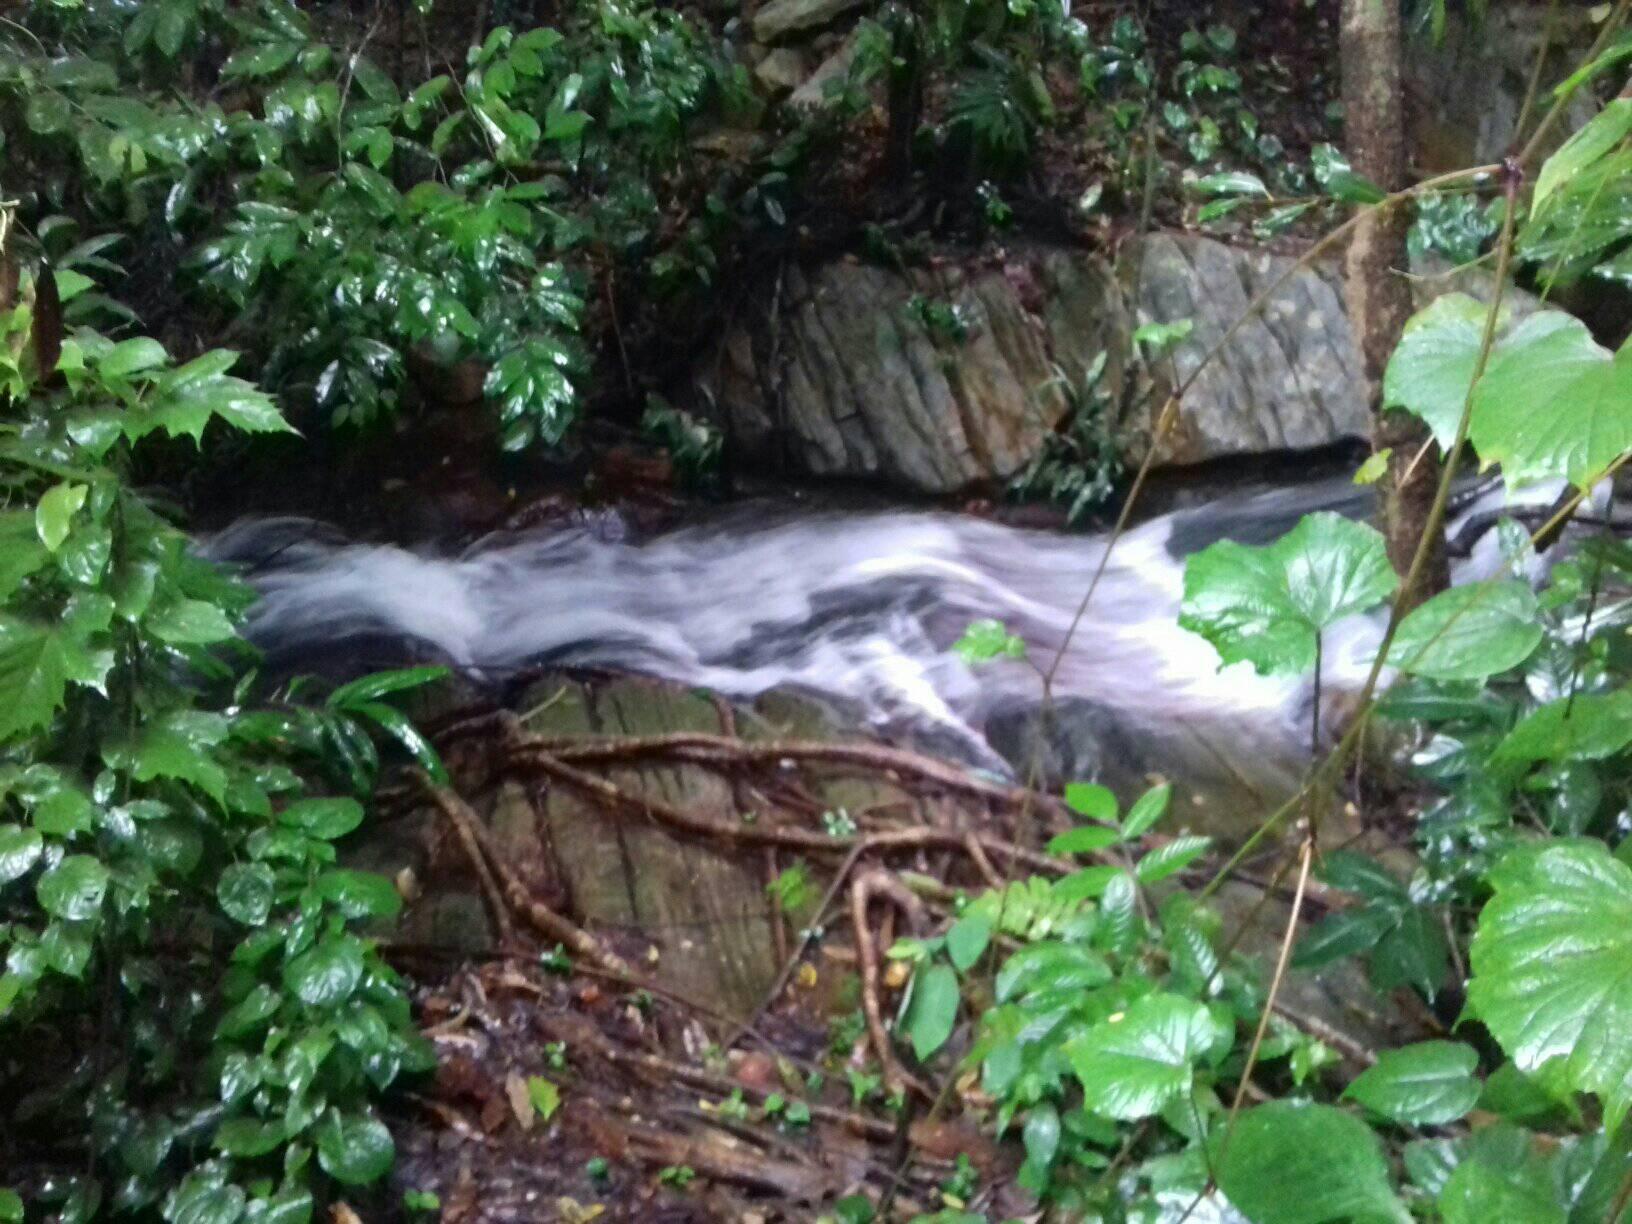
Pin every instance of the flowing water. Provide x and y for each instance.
(857, 609)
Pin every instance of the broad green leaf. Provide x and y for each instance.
(354, 1148)
(189, 622)
(1427, 1084)
(1553, 403)
(249, 1137)
(1265, 606)
(11, 1207)
(933, 1009)
(1469, 632)
(21, 550)
(360, 894)
(1288, 1163)
(20, 849)
(36, 666)
(326, 974)
(1092, 800)
(1159, 337)
(1345, 933)
(132, 357)
(1586, 727)
(1172, 858)
(1481, 1192)
(967, 939)
(1041, 1134)
(204, 1199)
(262, 59)
(181, 745)
(1413, 953)
(1146, 811)
(1432, 366)
(1550, 960)
(74, 888)
(1132, 1065)
(1605, 130)
(324, 818)
(184, 402)
(245, 892)
(1051, 965)
(56, 511)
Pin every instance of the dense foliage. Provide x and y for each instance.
(354, 211)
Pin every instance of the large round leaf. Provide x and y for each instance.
(326, 974)
(74, 888)
(1469, 632)
(1552, 967)
(1267, 606)
(20, 849)
(245, 892)
(354, 1148)
(1134, 1064)
(1286, 1163)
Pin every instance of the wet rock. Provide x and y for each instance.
(813, 93)
(782, 70)
(780, 18)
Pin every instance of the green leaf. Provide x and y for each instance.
(545, 1096)
(1550, 960)
(1042, 1135)
(967, 940)
(1606, 130)
(21, 551)
(36, 666)
(1553, 403)
(11, 1207)
(1092, 800)
(354, 1148)
(1267, 605)
(1085, 839)
(1432, 366)
(1159, 337)
(249, 1137)
(1289, 1163)
(74, 888)
(1479, 1192)
(190, 622)
(323, 818)
(1414, 953)
(20, 849)
(1146, 811)
(1427, 1084)
(259, 61)
(379, 684)
(56, 511)
(1345, 933)
(1172, 858)
(1587, 727)
(181, 745)
(400, 727)
(245, 892)
(933, 1009)
(132, 357)
(1469, 632)
(1132, 1065)
(326, 974)
(360, 894)
(185, 401)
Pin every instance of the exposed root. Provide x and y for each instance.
(516, 897)
(869, 884)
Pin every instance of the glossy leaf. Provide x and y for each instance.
(1427, 1084)
(1132, 1065)
(354, 1148)
(327, 974)
(933, 1010)
(1288, 1163)
(74, 888)
(1266, 605)
(246, 892)
(1469, 632)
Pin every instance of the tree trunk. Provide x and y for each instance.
(1379, 296)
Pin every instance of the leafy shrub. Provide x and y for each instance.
(206, 1027)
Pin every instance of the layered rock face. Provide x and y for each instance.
(939, 380)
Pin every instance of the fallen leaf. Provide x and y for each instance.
(521, 1101)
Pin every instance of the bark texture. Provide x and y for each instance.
(1379, 296)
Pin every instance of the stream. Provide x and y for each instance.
(859, 610)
